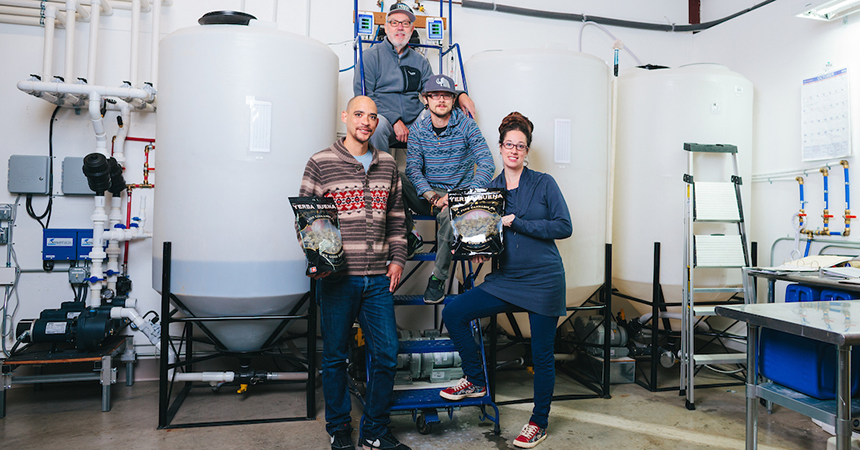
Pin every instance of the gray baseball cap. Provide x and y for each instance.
(401, 8)
(439, 83)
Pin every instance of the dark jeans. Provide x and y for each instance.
(412, 201)
(444, 233)
(342, 299)
(474, 304)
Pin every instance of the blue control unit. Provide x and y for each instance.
(365, 23)
(67, 244)
(58, 244)
(435, 29)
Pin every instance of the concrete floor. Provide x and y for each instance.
(69, 416)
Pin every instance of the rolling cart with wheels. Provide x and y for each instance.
(425, 402)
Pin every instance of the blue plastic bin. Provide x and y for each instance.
(832, 294)
(800, 293)
(804, 365)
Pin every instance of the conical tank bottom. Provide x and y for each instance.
(240, 335)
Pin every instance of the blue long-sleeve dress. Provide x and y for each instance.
(531, 273)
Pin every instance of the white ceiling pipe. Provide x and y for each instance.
(20, 20)
(107, 9)
(33, 87)
(94, 42)
(70, 41)
(135, 40)
(35, 8)
(156, 35)
(48, 50)
(20, 11)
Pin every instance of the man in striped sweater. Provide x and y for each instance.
(445, 151)
(365, 186)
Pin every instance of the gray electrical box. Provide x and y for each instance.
(78, 275)
(29, 174)
(5, 211)
(74, 180)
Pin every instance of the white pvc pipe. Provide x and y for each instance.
(156, 35)
(97, 254)
(20, 20)
(119, 144)
(98, 123)
(113, 250)
(66, 88)
(94, 42)
(211, 377)
(48, 50)
(70, 41)
(135, 40)
(84, 13)
(20, 11)
(308, 18)
(150, 330)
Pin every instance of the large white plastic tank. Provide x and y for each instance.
(566, 95)
(658, 111)
(240, 111)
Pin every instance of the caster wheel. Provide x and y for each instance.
(763, 402)
(422, 425)
(690, 406)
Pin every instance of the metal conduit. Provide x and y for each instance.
(493, 6)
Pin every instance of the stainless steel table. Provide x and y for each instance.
(834, 322)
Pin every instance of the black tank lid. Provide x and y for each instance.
(225, 18)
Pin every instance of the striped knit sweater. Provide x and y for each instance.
(370, 207)
(458, 158)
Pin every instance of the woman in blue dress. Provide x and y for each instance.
(529, 277)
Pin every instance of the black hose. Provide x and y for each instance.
(49, 208)
(492, 6)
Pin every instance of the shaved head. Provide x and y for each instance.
(361, 119)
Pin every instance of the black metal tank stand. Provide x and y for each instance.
(661, 338)
(166, 410)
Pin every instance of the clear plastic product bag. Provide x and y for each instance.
(319, 231)
(476, 217)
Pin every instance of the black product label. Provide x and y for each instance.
(319, 232)
(476, 217)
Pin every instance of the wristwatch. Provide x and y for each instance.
(434, 198)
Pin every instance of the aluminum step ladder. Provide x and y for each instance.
(709, 202)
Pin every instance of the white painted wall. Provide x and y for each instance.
(777, 51)
(24, 120)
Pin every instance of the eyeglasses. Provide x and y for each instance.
(438, 95)
(510, 146)
(396, 23)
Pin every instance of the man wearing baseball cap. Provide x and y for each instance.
(445, 151)
(394, 74)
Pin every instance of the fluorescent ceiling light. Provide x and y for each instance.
(831, 10)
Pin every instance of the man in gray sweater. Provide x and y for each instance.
(394, 75)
